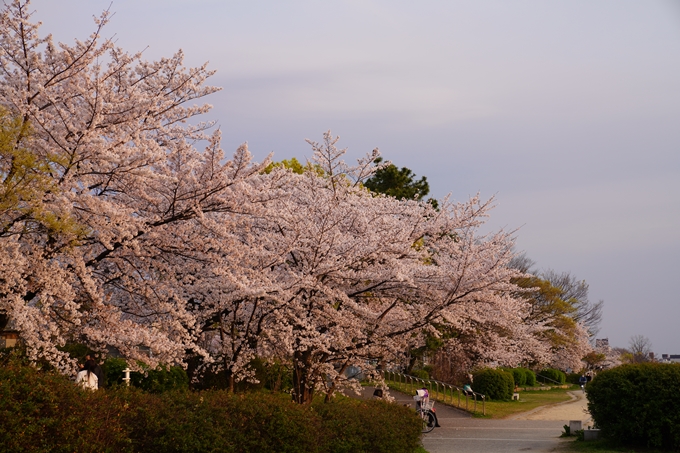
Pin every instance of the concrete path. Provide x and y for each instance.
(534, 431)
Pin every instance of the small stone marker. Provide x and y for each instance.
(515, 396)
(574, 425)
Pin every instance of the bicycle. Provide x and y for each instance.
(425, 410)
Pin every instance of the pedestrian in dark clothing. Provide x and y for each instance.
(96, 369)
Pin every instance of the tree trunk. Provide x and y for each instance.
(303, 385)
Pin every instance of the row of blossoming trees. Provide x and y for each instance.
(116, 232)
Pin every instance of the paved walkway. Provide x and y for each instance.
(534, 431)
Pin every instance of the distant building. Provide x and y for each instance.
(670, 358)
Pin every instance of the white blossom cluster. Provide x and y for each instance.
(178, 251)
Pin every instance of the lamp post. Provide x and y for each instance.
(127, 376)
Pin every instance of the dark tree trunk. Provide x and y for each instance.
(303, 384)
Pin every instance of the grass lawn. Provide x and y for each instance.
(528, 400)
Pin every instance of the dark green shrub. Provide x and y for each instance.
(572, 378)
(272, 375)
(216, 420)
(494, 384)
(422, 374)
(637, 405)
(43, 411)
(369, 426)
(519, 376)
(554, 376)
(530, 377)
(158, 380)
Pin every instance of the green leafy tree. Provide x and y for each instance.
(26, 185)
(293, 165)
(398, 183)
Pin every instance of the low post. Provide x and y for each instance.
(574, 425)
(127, 376)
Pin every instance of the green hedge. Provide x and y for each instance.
(638, 404)
(573, 378)
(494, 383)
(523, 377)
(44, 411)
(519, 376)
(554, 376)
(158, 380)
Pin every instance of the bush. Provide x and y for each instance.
(422, 374)
(44, 411)
(370, 426)
(573, 378)
(519, 376)
(637, 405)
(530, 377)
(523, 376)
(158, 380)
(554, 376)
(494, 384)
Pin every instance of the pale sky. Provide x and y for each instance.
(568, 112)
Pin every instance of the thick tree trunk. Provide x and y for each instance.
(303, 385)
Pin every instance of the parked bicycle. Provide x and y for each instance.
(425, 409)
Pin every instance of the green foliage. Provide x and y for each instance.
(637, 404)
(573, 378)
(494, 384)
(375, 426)
(422, 374)
(44, 411)
(550, 305)
(567, 431)
(530, 377)
(398, 183)
(158, 380)
(520, 376)
(295, 166)
(25, 178)
(554, 376)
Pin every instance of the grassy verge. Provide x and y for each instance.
(528, 400)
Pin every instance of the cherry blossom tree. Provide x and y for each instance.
(136, 240)
(113, 130)
(350, 278)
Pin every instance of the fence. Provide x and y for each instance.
(439, 391)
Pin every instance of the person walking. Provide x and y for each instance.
(86, 377)
(96, 369)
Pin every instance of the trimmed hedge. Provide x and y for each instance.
(519, 376)
(44, 411)
(554, 375)
(637, 405)
(523, 377)
(530, 377)
(494, 384)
